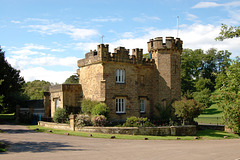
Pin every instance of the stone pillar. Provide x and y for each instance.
(17, 114)
(47, 104)
(173, 130)
(72, 119)
(31, 110)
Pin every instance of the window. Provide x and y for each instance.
(120, 105)
(142, 105)
(120, 76)
(56, 103)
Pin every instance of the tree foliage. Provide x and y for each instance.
(73, 79)
(187, 109)
(228, 32)
(203, 97)
(190, 68)
(60, 115)
(10, 86)
(35, 89)
(87, 105)
(100, 109)
(229, 98)
(198, 67)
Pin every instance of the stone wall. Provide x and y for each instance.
(90, 78)
(138, 84)
(61, 126)
(189, 130)
(69, 95)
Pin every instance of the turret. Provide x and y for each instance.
(102, 51)
(138, 53)
(167, 61)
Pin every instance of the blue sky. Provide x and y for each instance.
(45, 38)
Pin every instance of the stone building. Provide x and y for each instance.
(130, 85)
(64, 96)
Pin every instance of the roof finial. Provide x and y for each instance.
(177, 25)
(102, 38)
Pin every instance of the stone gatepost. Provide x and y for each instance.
(17, 114)
(72, 119)
(173, 130)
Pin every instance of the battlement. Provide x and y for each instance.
(171, 44)
(121, 54)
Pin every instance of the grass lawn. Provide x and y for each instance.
(211, 115)
(7, 116)
(206, 134)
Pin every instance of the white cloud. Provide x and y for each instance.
(55, 61)
(16, 22)
(206, 5)
(28, 50)
(214, 4)
(85, 47)
(37, 20)
(44, 74)
(32, 55)
(77, 33)
(143, 18)
(196, 36)
(21, 62)
(192, 17)
(35, 46)
(61, 28)
(107, 19)
(57, 50)
(128, 35)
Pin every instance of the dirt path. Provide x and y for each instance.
(30, 145)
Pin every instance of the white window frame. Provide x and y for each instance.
(142, 105)
(120, 76)
(120, 105)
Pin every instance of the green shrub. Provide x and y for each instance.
(203, 97)
(136, 122)
(60, 115)
(82, 120)
(187, 109)
(87, 106)
(164, 114)
(99, 120)
(148, 124)
(100, 109)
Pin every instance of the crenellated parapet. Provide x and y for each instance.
(171, 44)
(121, 54)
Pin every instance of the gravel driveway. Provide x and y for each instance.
(30, 145)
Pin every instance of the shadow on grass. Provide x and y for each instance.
(211, 111)
(215, 134)
(35, 147)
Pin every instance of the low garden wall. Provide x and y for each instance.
(53, 125)
(188, 130)
(211, 126)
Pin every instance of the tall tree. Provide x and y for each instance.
(191, 61)
(196, 64)
(228, 32)
(10, 86)
(229, 98)
(35, 89)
